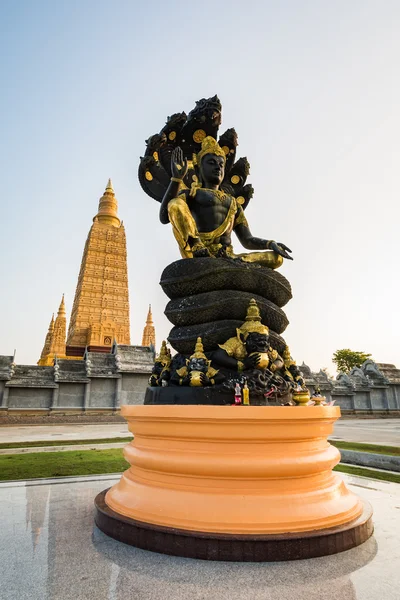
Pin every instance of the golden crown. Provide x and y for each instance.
(165, 355)
(199, 350)
(252, 322)
(209, 146)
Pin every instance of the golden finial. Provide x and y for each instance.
(51, 326)
(252, 322)
(164, 356)
(253, 312)
(199, 350)
(61, 310)
(150, 317)
(108, 207)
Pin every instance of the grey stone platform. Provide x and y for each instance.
(50, 549)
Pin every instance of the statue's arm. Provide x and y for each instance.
(172, 192)
(179, 168)
(250, 242)
(222, 358)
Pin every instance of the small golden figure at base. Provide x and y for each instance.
(198, 371)
(160, 374)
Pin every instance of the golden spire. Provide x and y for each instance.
(47, 344)
(61, 310)
(59, 334)
(108, 207)
(149, 320)
(149, 332)
(55, 339)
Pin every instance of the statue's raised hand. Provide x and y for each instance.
(280, 249)
(179, 166)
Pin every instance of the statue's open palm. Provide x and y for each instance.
(179, 165)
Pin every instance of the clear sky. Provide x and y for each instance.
(312, 88)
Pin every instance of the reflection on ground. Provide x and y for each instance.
(50, 549)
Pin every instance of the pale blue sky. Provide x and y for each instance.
(312, 88)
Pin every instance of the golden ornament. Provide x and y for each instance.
(172, 135)
(235, 179)
(209, 146)
(148, 176)
(199, 136)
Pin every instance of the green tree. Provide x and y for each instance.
(346, 359)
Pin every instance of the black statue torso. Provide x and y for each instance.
(209, 212)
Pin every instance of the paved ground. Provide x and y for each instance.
(55, 433)
(50, 549)
(375, 431)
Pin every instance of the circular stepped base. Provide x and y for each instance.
(224, 547)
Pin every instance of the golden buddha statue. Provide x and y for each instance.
(204, 216)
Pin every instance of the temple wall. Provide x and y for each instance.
(101, 382)
(133, 388)
(29, 398)
(98, 394)
(394, 397)
(373, 388)
(361, 401)
(379, 400)
(71, 395)
(102, 393)
(345, 402)
(2, 387)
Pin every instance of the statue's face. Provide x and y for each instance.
(257, 342)
(197, 364)
(158, 367)
(212, 169)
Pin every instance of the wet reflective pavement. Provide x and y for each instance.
(51, 549)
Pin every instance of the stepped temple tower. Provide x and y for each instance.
(54, 344)
(149, 332)
(100, 312)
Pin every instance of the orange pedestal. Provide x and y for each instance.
(234, 472)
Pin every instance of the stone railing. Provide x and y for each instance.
(371, 388)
